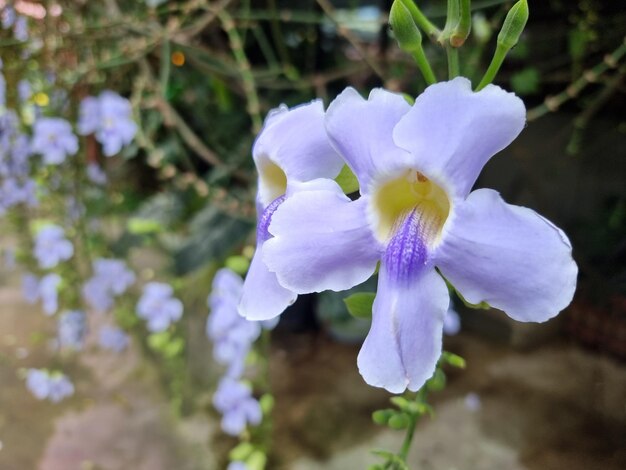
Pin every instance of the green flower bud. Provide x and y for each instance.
(514, 25)
(404, 28)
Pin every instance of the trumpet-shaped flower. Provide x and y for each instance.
(292, 148)
(416, 166)
(51, 247)
(158, 306)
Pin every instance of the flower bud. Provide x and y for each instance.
(514, 24)
(404, 28)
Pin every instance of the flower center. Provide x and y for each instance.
(273, 181)
(410, 193)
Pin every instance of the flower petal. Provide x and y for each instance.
(361, 130)
(404, 343)
(295, 140)
(507, 256)
(452, 131)
(321, 241)
(262, 296)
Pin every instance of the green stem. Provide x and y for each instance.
(463, 27)
(164, 76)
(453, 62)
(424, 66)
(408, 440)
(494, 67)
(422, 22)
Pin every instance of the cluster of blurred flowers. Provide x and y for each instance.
(11, 19)
(46, 385)
(111, 278)
(44, 289)
(51, 246)
(232, 337)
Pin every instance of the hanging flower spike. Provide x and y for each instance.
(51, 247)
(158, 306)
(416, 166)
(292, 148)
(238, 407)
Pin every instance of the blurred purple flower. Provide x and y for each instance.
(8, 16)
(72, 329)
(473, 402)
(451, 322)
(110, 117)
(231, 334)
(45, 385)
(51, 246)
(113, 338)
(88, 115)
(96, 174)
(237, 465)
(20, 28)
(238, 407)
(53, 139)
(3, 90)
(111, 278)
(158, 306)
(44, 289)
(24, 90)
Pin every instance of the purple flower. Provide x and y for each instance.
(96, 175)
(451, 322)
(110, 117)
(51, 247)
(292, 148)
(238, 407)
(113, 338)
(54, 140)
(3, 91)
(111, 278)
(24, 90)
(231, 334)
(8, 16)
(88, 115)
(416, 166)
(237, 465)
(158, 306)
(45, 385)
(71, 329)
(44, 289)
(473, 402)
(20, 29)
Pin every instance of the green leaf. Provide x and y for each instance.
(256, 461)
(360, 304)
(239, 264)
(267, 403)
(347, 180)
(241, 452)
(453, 360)
(138, 226)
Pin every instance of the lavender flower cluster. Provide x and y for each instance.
(232, 337)
(10, 19)
(51, 247)
(72, 329)
(44, 289)
(16, 186)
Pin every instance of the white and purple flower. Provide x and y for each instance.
(417, 216)
(284, 158)
(158, 306)
(44, 289)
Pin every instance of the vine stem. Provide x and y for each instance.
(408, 440)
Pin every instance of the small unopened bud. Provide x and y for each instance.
(404, 28)
(514, 25)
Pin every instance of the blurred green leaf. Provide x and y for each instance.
(360, 304)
